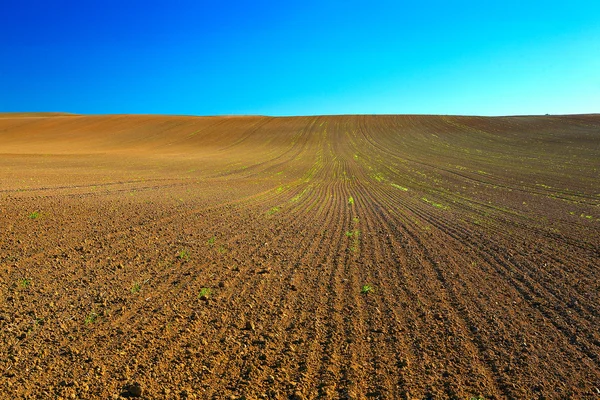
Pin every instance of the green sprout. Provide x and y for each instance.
(184, 254)
(273, 210)
(24, 282)
(91, 318)
(136, 288)
(204, 293)
(366, 289)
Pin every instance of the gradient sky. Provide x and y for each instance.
(300, 57)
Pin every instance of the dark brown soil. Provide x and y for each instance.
(354, 257)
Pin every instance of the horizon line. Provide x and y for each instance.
(31, 114)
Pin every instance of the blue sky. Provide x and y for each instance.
(300, 57)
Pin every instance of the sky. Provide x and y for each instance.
(300, 57)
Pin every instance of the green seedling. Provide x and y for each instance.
(366, 289)
(378, 177)
(350, 200)
(184, 254)
(438, 205)
(273, 210)
(355, 235)
(34, 215)
(299, 195)
(24, 282)
(211, 241)
(404, 189)
(204, 293)
(91, 318)
(136, 288)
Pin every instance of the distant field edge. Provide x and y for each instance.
(36, 114)
(26, 114)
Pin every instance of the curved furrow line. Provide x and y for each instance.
(173, 341)
(462, 235)
(543, 282)
(319, 355)
(484, 307)
(462, 238)
(249, 132)
(118, 322)
(381, 367)
(280, 158)
(371, 205)
(298, 280)
(533, 287)
(327, 208)
(91, 185)
(432, 262)
(464, 334)
(391, 356)
(383, 149)
(430, 319)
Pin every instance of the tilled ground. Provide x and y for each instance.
(351, 257)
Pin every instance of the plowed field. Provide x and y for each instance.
(350, 257)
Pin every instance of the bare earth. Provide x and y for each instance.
(225, 258)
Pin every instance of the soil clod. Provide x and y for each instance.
(135, 390)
